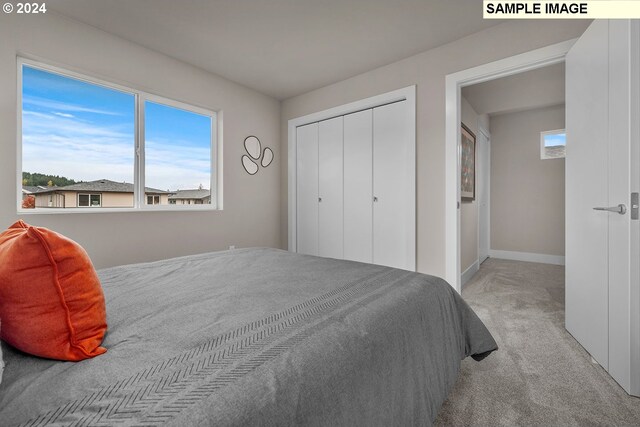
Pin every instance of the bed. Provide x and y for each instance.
(256, 337)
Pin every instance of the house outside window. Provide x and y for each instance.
(90, 200)
(199, 196)
(553, 144)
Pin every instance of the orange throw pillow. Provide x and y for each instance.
(51, 301)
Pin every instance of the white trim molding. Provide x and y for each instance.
(527, 256)
(487, 191)
(538, 58)
(634, 297)
(408, 93)
(469, 273)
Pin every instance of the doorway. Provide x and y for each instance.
(510, 118)
(538, 58)
(617, 46)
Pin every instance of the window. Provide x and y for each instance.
(90, 200)
(79, 136)
(153, 200)
(553, 144)
(177, 149)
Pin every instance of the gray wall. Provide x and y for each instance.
(251, 215)
(527, 193)
(428, 70)
(469, 209)
(542, 87)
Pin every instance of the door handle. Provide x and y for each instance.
(621, 209)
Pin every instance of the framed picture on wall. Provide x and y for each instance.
(467, 164)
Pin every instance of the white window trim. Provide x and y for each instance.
(139, 178)
(543, 153)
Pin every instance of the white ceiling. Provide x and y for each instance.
(542, 87)
(283, 48)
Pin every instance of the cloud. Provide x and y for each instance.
(177, 165)
(63, 106)
(63, 114)
(66, 146)
(61, 144)
(168, 177)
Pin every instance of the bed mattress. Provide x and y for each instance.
(256, 337)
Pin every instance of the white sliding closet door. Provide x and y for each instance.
(307, 189)
(393, 187)
(330, 189)
(354, 171)
(358, 186)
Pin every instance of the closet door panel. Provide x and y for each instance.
(307, 189)
(358, 186)
(331, 205)
(393, 187)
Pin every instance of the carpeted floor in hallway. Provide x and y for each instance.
(540, 375)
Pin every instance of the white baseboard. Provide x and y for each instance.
(469, 272)
(527, 256)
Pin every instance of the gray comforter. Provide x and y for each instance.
(256, 337)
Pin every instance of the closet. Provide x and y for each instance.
(355, 186)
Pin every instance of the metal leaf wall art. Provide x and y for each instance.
(255, 155)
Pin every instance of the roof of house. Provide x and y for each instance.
(31, 189)
(103, 185)
(190, 194)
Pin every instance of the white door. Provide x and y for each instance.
(358, 186)
(393, 187)
(598, 175)
(307, 189)
(484, 168)
(330, 199)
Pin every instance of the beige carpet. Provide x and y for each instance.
(540, 375)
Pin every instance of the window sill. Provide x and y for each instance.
(57, 211)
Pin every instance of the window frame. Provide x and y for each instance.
(153, 199)
(89, 195)
(543, 153)
(140, 98)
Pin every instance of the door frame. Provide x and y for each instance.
(487, 191)
(634, 297)
(405, 94)
(454, 82)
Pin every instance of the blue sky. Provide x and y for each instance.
(553, 140)
(86, 132)
(177, 149)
